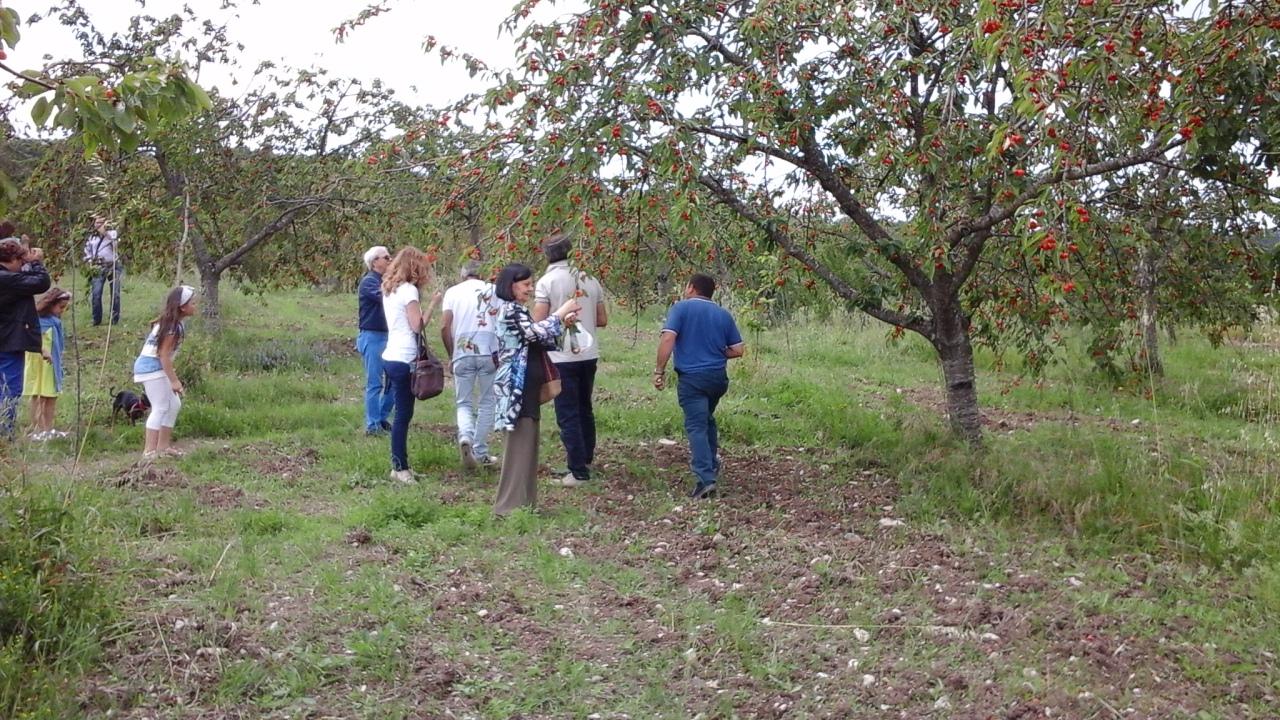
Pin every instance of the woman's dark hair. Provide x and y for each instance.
(170, 318)
(11, 249)
(704, 285)
(510, 275)
(7, 229)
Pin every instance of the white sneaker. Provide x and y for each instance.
(489, 461)
(568, 481)
(39, 436)
(403, 476)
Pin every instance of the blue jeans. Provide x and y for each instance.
(12, 366)
(575, 416)
(377, 400)
(400, 388)
(699, 393)
(102, 276)
(472, 376)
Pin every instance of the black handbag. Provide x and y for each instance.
(426, 372)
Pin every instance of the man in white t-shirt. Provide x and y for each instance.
(470, 314)
(577, 361)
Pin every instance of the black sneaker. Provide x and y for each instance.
(374, 432)
(386, 426)
(701, 491)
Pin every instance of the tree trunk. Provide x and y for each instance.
(210, 282)
(476, 233)
(1148, 316)
(955, 352)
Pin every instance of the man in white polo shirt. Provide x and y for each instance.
(577, 364)
(470, 316)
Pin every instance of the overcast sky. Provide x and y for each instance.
(300, 34)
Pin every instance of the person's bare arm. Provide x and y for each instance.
(446, 331)
(413, 313)
(169, 345)
(431, 309)
(602, 315)
(666, 344)
(735, 351)
(541, 309)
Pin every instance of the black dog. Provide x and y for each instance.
(133, 406)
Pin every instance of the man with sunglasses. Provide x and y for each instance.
(372, 340)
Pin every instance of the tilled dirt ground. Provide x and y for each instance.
(800, 591)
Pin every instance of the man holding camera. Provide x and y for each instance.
(102, 254)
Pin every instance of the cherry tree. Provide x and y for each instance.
(110, 102)
(942, 133)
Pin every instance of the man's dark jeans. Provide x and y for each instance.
(575, 415)
(699, 393)
(12, 366)
(402, 390)
(108, 274)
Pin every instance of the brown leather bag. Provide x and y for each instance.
(551, 381)
(426, 373)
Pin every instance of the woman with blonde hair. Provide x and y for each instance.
(409, 272)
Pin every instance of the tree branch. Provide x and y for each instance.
(731, 137)
(281, 222)
(42, 83)
(969, 229)
(727, 197)
(815, 162)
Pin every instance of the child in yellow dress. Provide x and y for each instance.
(42, 378)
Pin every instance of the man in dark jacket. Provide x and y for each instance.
(372, 340)
(22, 277)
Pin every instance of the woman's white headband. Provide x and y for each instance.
(188, 292)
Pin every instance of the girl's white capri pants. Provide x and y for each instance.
(165, 403)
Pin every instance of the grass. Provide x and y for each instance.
(1114, 548)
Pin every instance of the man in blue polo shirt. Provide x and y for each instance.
(704, 338)
(372, 340)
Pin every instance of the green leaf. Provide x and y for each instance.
(30, 89)
(997, 142)
(196, 95)
(40, 111)
(126, 121)
(80, 85)
(66, 118)
(9, 26)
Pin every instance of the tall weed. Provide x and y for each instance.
(52, 611)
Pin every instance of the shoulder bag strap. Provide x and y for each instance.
(424, 348)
